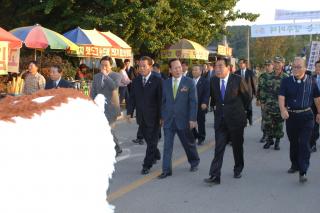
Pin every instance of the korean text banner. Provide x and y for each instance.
(296, 15)
(285, 29)
(314, 55)
(3, 57)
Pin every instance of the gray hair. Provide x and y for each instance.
(301, 59)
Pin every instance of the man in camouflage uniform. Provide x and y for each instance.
(260, 92)
(273, 120)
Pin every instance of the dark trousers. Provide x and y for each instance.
(299, 130)
(188, 143)
(151, 136)
(123, 94)
(200, 134)
(222, 134)
(116, 141)
(249, 112)
(139, 133)
(315, 132)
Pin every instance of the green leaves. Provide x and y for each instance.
(147, 25)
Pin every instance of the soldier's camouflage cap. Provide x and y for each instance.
(267, 62)
(279, 59)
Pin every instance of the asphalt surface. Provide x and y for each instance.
(265, 186)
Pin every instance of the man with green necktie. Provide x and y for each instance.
(179, 115)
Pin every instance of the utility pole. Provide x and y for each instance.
(248, 45)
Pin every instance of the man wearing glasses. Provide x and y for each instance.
(297, 93)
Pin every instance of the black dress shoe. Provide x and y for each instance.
(292, 170)
(212, 180)
(118, 152)
(237, 175)
(263, 139)
(194, 168)
(164, 175)
(138, 141)
(200, 142)
(303, 178)
(145, 171)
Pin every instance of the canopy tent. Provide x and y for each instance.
(185, 49)
(95, 44)
(14, 42)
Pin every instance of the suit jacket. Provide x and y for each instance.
(108, 87)
(231, 110)
(203, 92)
(251, 81)
(147, 100)
(183, 108)
(210, 74)
(161, 75)
(313, 106)
(62, 84)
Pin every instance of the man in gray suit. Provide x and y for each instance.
(107, 83)
(179, 115)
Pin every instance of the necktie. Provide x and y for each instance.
(223, 89)
(242, 73)
(55, 84)
(318, 82)
(144, 81)
(175, 88)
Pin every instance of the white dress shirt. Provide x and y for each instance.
(179, 79)
(147, 77)
(196, 80)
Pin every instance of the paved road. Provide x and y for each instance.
(264, 188)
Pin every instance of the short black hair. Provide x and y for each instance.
(226, 60)
(57, 67)
(243, 60)
(121, 65)
(317, 62)
(185, 62)
(172, 60)
(126, 60)
(156, 65)
(146, 58)
(106, 58)
(34, 62)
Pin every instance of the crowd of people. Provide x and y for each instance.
(178, 103)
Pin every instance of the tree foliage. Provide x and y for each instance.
(147, 25)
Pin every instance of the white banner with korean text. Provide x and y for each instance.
(314, 55)
(270, 30)
(296, 15)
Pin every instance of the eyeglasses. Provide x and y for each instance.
(297, 67)
(220, 66)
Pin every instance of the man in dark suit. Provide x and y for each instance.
(203, 93)
(230, 98)
(146, 97)
(250, 79)
(157, 71)
(209, 73)
(179, 115)
(56, 80)
(185, 69)
(315, 132)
